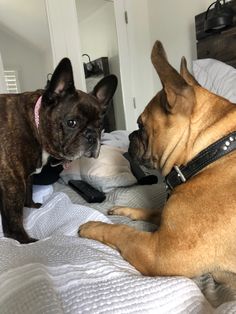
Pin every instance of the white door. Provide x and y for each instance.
(134, 51)
(125, 63)
(138, 38)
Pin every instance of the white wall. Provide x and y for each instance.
(98, 32)
(99, 39)
(31, 64)
(173, 22)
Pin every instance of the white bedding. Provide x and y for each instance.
(62, 273)
(65, 274)
(216, 76)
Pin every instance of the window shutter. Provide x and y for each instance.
(11, 80)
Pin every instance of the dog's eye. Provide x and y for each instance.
(71, 123)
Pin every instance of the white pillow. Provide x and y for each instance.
(217, 77)
(110, 170)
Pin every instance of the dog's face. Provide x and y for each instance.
(164, 125)
(71, 120)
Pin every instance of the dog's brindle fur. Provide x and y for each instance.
(198, 223)
(69, 126)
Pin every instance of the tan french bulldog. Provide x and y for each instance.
(189, 133)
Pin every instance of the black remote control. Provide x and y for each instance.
(88, 192)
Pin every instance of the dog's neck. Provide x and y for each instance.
(36, 111)
(212, 123)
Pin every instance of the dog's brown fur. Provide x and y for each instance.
(198, 223)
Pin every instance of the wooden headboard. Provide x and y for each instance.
(220, 46)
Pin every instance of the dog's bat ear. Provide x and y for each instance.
(168, 75)
(158, 52)
(104, 90)
(178, 92)
(62, 81)
(189, 78)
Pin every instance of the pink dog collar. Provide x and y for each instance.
(36, 111)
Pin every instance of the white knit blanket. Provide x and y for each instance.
(62, 273)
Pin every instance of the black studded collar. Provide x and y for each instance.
(220, 148)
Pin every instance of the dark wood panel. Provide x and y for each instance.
(220, 46)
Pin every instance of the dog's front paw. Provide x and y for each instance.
(91, 230)
(132, 213)
(30, 240)
(32, 204)
(36, 205)
(22, 239)
(117, 210)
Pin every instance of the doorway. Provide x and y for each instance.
(99, 50)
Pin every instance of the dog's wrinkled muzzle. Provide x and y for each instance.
(138, 149)
(134, 145)
(94, 150)
(133, 134)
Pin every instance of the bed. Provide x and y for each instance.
(62, 273)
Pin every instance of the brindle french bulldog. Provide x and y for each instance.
(59, 121)
(190, 134)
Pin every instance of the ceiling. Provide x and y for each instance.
(27, 19)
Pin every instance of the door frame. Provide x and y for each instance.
(64, 36)
(125, 64)
(2, 80)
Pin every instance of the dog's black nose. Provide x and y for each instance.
(131, 136)
(90, 135)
